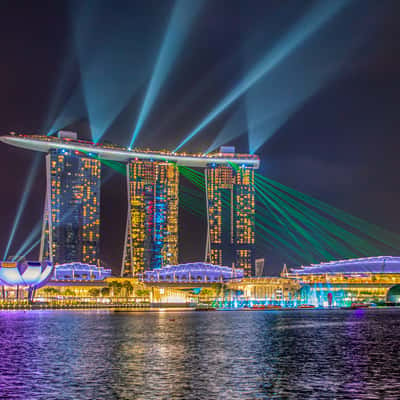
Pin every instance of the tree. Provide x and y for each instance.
(127, 285)
(205, 292)
(219, 289)
(69, 292)
(93, 292)
(105, 291)
(50, 291)
(142, 292)
(115, 287)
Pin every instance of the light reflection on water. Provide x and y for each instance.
(200, 355)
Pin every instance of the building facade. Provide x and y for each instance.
(151, 239)
(80, 272)
(19, 280)
(71, 224)
(343, 282)
(231, 216)
(193, 272)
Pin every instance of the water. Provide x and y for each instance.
(307, 354)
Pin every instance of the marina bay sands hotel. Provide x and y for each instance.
(71, 221)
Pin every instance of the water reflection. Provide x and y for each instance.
(222, 355)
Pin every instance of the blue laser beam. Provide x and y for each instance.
(22, 205)
(181, 20)
(36, 231)
(115, 46)
(29, 250)
(66, 83)
(281, 93)
(320, 14)
(73, 110)
(235, 126)
(28, 241)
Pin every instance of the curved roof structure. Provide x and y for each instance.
(368, 265)
(108, 151)
(80, 272)
(193, 271)
(29, 273)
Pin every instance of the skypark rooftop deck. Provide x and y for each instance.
(112, 152)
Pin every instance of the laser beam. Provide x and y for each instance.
(28, 241)
(236, 126)
(29, 250)
(22, 205)
(320, 14)
(72, 111)
(285, 90)
(115, 46)
(181, 20)
(67, 81)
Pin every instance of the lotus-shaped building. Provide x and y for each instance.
(30, 274)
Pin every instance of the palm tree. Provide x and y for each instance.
(116, 287)
(50, 291)
(142, 292)
(93, 292)
(69, 292)
(220, 291)
(127, 285)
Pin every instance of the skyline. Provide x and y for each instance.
(352, 165)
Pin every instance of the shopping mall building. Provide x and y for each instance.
(371, 280)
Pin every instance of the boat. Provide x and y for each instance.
(258, 307)
(360, 305)
(306, 306)
(205, 307)
(266, 307)
(273, 307)
(355, 306)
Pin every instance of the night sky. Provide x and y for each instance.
(339, 144)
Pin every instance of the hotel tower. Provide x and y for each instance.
(231, 216)
(151, 239)
(71, 223)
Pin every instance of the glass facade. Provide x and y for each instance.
(151, 240)
(231, 216)
(71, 228)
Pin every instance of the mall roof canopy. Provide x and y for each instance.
(80, 271)
(368, 265)
(198, 271)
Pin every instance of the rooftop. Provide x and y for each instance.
(114, 152)
(368, 265)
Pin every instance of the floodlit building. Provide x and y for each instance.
(370, 279)
(80, 272)
(71, 224)
(231, 216)
(21, 279)
(71, 227)
(151, 239)
(193, 272)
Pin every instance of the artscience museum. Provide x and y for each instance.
(21, 279)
